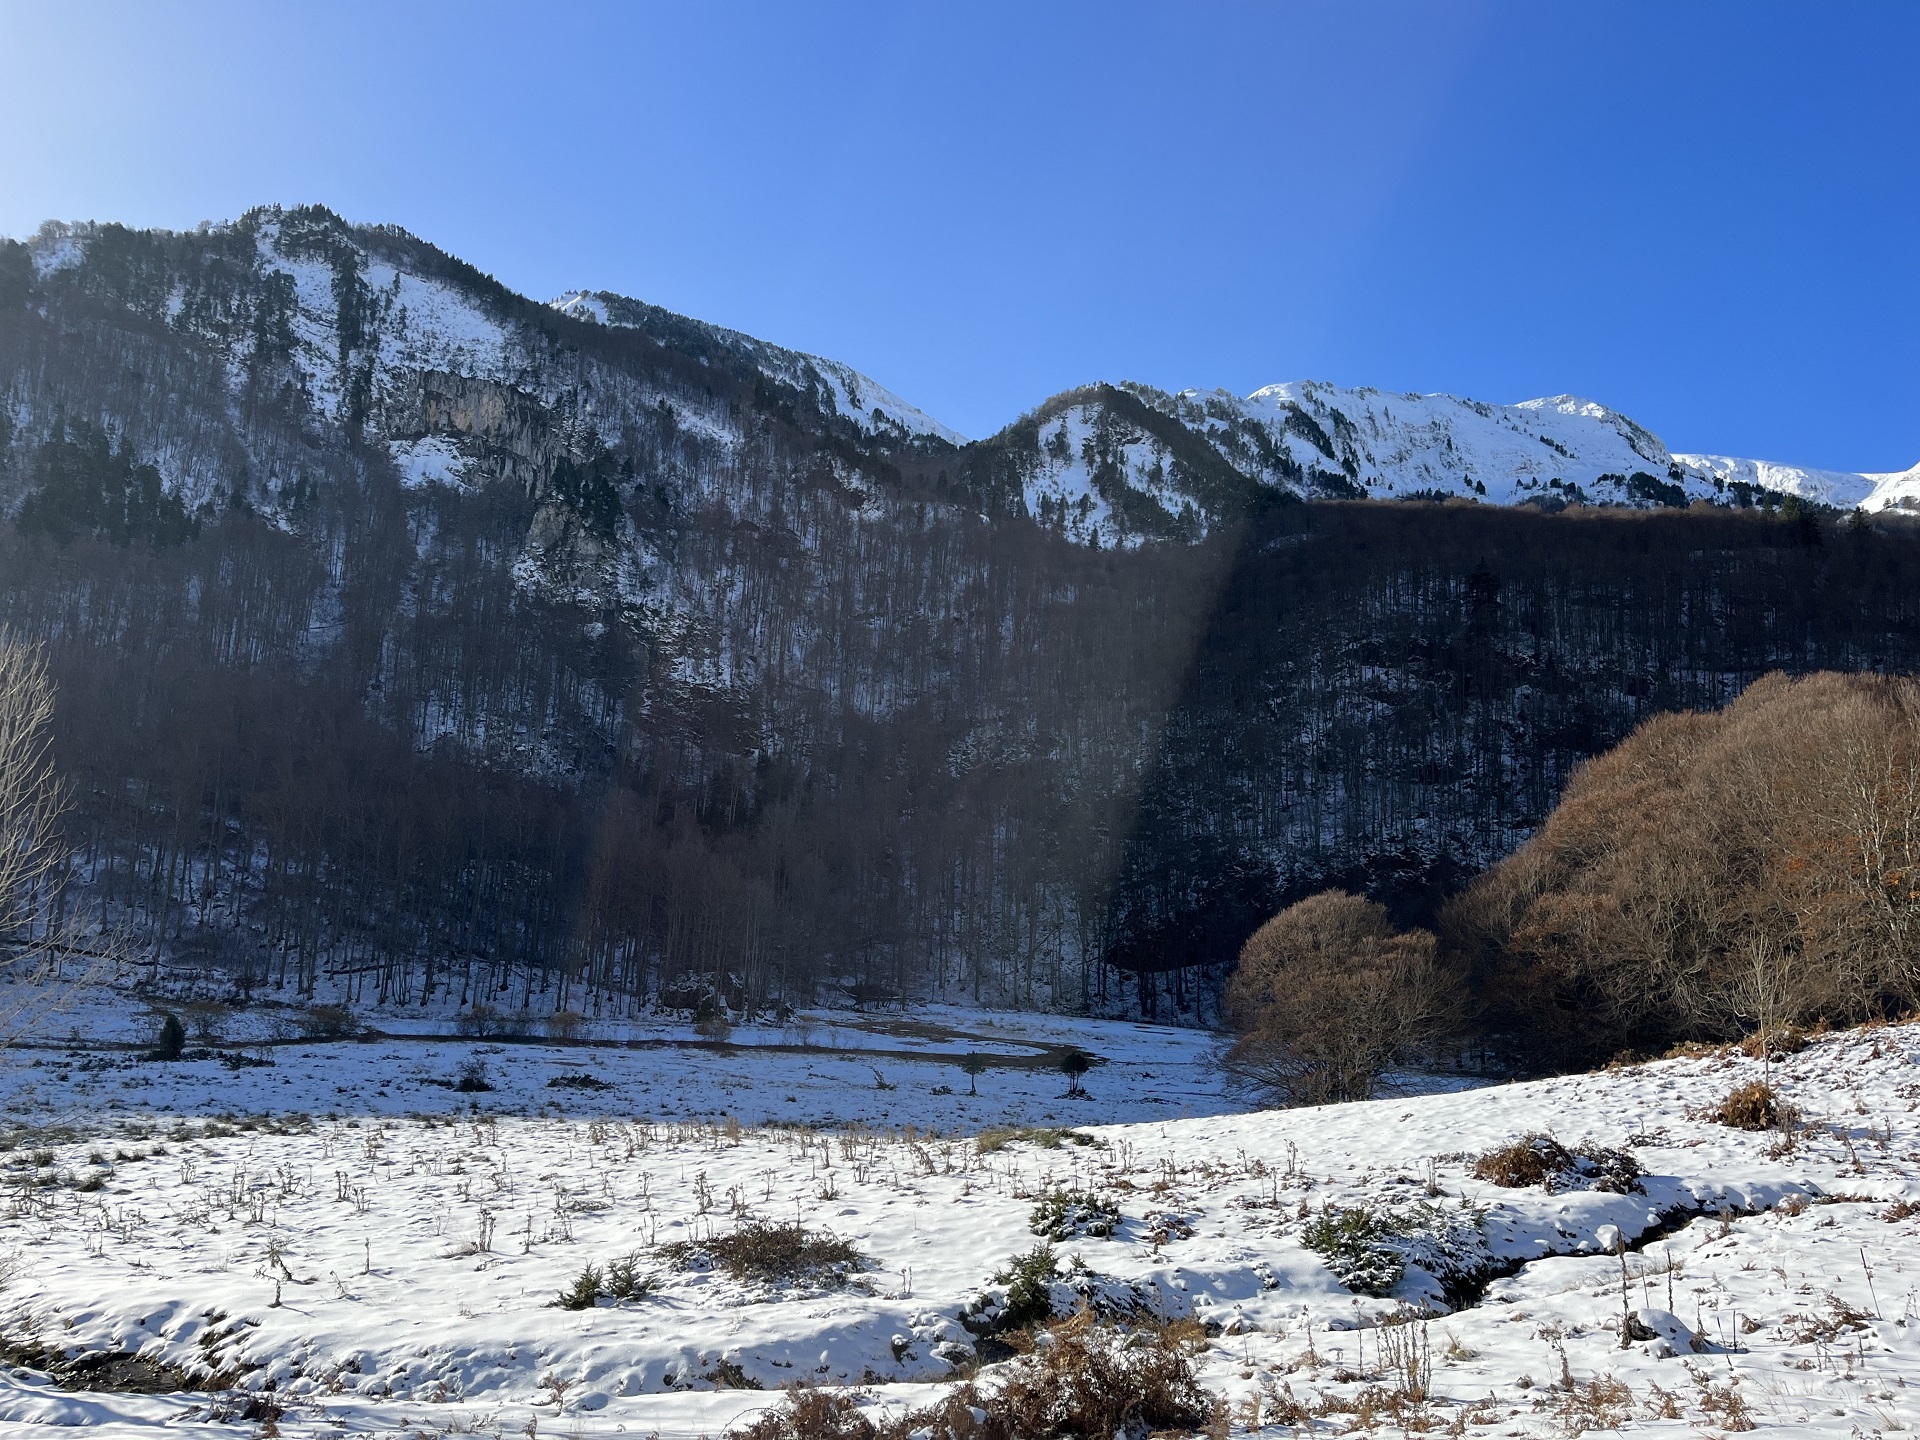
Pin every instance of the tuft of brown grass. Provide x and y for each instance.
(1780, 1041)
(1840, 1319)
(1723, 1403)
(1602, 1403)
(1539, 1159)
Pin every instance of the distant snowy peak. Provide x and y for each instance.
(840, 389)
(1119, 465)
(1842, 489)
(1391, 444)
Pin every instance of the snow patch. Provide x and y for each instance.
(435, 460)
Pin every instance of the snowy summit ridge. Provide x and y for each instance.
(377, 335)
(1122, 464)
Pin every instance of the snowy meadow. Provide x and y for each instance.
(658, 1234)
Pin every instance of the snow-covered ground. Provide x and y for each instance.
(882, 1068)
(384, 1250)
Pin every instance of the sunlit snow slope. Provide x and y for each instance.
(1123, 464)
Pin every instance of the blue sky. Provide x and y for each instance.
(1702, 214)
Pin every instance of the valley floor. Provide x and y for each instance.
(384, 1250)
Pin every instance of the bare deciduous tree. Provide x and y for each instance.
(1714, 875)
(1328, 996)
(38, 944)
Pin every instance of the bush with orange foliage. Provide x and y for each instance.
(1328, 995)
(1713, 875)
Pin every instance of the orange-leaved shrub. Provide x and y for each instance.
(1328, 995)
(1713, 876)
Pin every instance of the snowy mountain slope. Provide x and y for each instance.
(387, 1273)
(841, 389)
(305, 334)
(1102, 464)
(380, 331)
(1842, 489)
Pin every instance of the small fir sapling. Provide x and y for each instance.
(973, 1065)
(1075, 1063)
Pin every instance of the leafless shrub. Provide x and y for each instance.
(328, 1022)
(483, 1020)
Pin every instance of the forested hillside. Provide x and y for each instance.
(419, 639)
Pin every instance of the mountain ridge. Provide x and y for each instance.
(355, 311)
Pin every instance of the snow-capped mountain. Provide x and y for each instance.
(463, 382)
(367, 334)
(1124, 464)
(1841, 489)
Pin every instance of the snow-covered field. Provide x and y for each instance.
(385, 1251)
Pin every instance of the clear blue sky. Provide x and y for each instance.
(1707, 215)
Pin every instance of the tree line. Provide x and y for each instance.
(950, 759)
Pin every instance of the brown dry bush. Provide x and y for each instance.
(1753, 1106)
(1087, 1380)
(1328, 995)
(1542, 1160)
(1713, 876)
(1527, 1161)
(811, 1413)
(1097, 1380)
